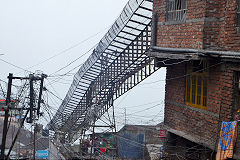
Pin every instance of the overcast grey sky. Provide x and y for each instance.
(33, 31)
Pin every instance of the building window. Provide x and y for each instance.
(237, 90)
(196, 84)
(176, 10)
(238, 14)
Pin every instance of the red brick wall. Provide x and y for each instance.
(222, 34)
(202, 125)
(209, 25)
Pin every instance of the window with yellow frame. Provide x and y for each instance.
(197, 84)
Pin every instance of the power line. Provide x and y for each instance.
(73, 61)
(145, 109)
(55, 92)
(136, 112)
(3, 81)
(184, 74)
(61, 143)
(140, 143)
(65, 50)
(88, 51)
(62, 76)
(129, 91)
(138, 105)
(68, 124)
(124, 98)
(15, 65)
(2, 90)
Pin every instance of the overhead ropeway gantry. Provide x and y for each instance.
(116, 65)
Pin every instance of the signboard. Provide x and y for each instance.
(2, 105)
(42, 154)
(19, 117)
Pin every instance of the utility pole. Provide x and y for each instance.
(31, 78)
(31, 98)
(14, 140)
(40, 94)
(5, 124)
(80, 146)
(34, 140)
(115, 127)
(125, 114)
(92, 147)
(32, 109)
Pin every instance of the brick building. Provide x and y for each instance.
(199, 43)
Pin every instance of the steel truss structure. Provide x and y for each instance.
(116, 65)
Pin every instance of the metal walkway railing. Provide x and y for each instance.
(116, 65)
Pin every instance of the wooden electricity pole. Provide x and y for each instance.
(5, 124)
(31, 109)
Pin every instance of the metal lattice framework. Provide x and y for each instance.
(116, 65)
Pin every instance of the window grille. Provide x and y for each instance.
(196, 85)
(176, 10)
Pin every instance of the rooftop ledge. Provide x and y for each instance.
(191, 54)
